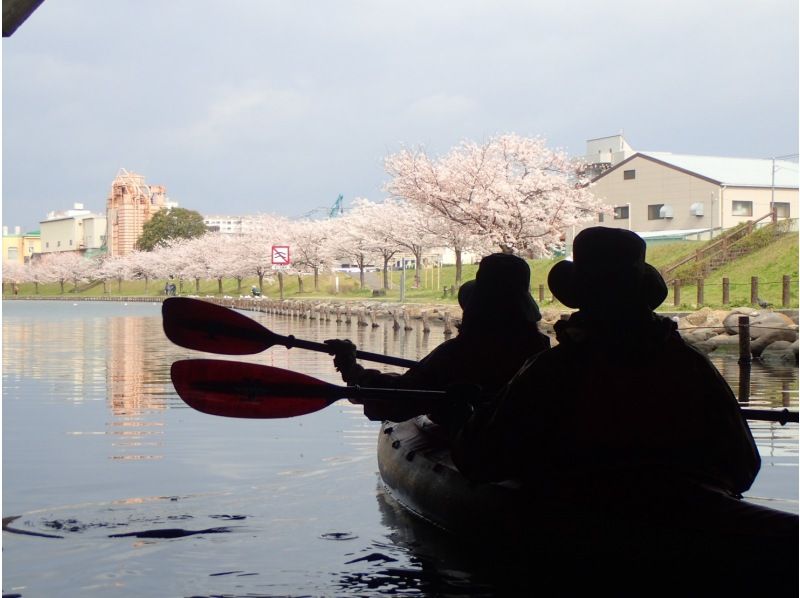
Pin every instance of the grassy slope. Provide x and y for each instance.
(769, 264)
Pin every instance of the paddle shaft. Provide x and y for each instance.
(205, 326)
(290, 341)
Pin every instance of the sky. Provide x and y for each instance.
(258, 106)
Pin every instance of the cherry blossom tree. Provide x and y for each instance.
(312, 246)
(116, 267)
(66, 266)
(513, 190)
(368, 232)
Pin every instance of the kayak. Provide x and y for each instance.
(694, 528)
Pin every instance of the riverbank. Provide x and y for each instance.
(773, 333)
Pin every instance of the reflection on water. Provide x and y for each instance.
(97, 444)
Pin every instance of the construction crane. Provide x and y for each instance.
(337, 209)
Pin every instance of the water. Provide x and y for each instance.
(96, 444)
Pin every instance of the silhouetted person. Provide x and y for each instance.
(620, 402)
(498, 332)
(624, 420)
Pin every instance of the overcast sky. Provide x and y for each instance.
(249, 106)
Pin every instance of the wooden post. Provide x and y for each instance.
(744, 339)
(406, 322)
(726, 291)
(787, 290)
(395, 323)
(744, 359)
(754, 290)
(541, 293)
(676, 290)
(426, 328)
(700, 292)
(447, 329)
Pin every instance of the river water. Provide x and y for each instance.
(100, 456)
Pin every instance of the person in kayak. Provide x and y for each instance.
(498, 332)
(621, 402)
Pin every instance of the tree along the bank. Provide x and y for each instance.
(512, 190)
(168, 225)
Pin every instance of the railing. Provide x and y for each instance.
(719, 246)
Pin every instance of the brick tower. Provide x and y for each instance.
(130, 204)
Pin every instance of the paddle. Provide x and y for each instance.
(204, 326)
(236, 389)
(249, 390)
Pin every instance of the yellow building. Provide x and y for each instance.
(19, 247)
(130, 204)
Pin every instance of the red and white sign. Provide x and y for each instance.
(280, 255)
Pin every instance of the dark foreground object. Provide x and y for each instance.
(679, 538)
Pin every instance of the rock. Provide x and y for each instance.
(697, 318)
(731, 321)
(767, 323)
(698, 335)
(770, 337)
(722, 340)
(780, 350)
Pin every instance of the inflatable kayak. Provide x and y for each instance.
(692, 527)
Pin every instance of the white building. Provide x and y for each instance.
(76, 229)
(661, 192)
(231, 225)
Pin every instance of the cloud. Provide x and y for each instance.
(243, 115)
(441, 106)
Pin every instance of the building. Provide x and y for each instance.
(76, 229)
(232, 225)
(19, 247)
(130, 204)
(661, 192)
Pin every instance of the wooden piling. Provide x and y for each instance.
(745, 360)
(448, 331)
(700, 292)
(726, 291)
(787, 291)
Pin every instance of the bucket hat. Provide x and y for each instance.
(502, 284)
(608, 269)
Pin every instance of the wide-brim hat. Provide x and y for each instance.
(502, 283)
(608, 269)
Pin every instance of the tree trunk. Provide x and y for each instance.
(418, 259)
(280, 284)
(299, 284)
(458, 267)
(261, 282)
(239, 284)
(219, 285)
(36, 287)
(61, 282)
(316, 278)
(197, 285)
(146, 283)
(386, 273)
(361, 275)
(105, 287)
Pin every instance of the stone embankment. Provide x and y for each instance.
(773, 334)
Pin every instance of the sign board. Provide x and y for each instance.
(280, 255)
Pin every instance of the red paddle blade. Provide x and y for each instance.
(236, 389)
(200, 325)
